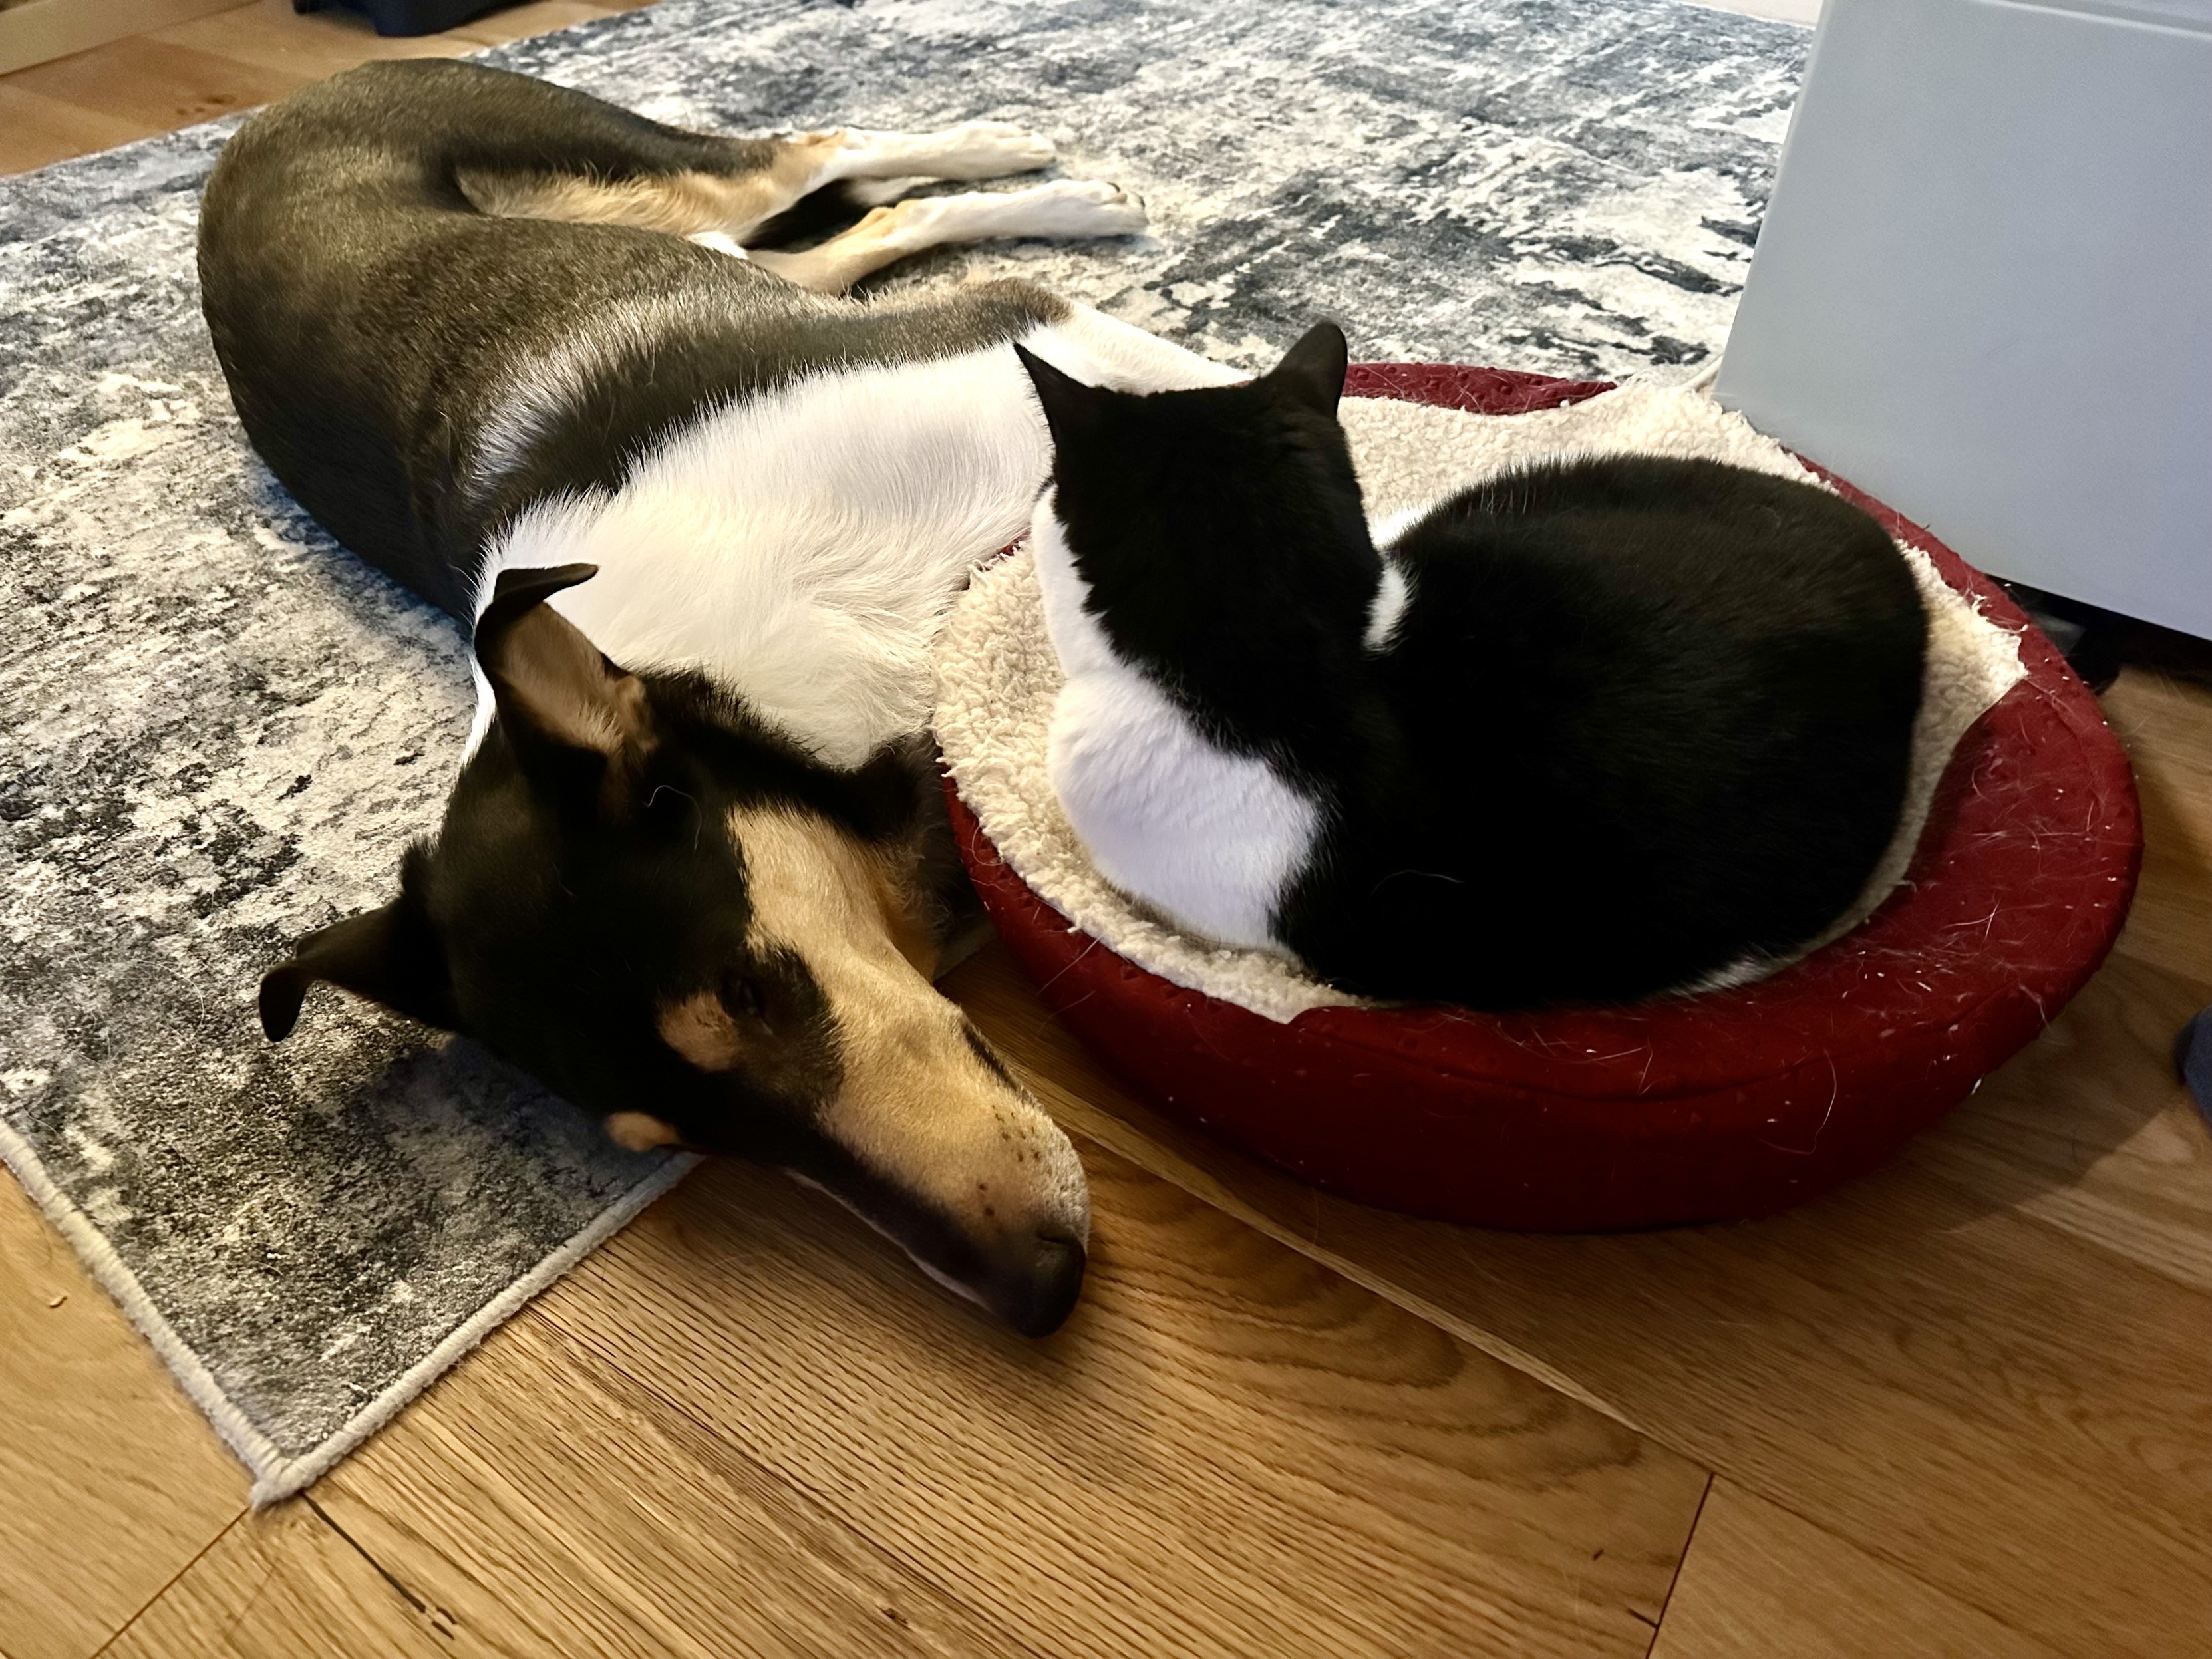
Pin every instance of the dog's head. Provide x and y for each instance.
(671, 917)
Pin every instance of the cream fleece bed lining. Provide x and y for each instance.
(997, 678)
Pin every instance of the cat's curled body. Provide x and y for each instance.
(1585, 732)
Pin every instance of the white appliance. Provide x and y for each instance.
(1984, 288)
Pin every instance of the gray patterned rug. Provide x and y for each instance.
(216, 731)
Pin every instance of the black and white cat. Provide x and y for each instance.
(1585, 732)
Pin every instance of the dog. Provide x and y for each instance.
(562, 371)
(1589, 733)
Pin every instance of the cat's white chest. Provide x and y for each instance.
(1212, 838)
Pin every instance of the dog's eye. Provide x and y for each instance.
(741, 997)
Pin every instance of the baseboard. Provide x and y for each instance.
(43, 29)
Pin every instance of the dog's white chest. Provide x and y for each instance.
(803, 547)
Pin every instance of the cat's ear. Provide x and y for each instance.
(1071, 408)
(1312, 371)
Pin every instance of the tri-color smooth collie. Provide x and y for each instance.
(557, 369)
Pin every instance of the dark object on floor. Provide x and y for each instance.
(2092, 640)
(2192, 1058)
(411, 16)
(2098, 643)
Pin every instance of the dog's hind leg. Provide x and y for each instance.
(730, 201)
(974, 150)
(722, 204)
(1065, 207)
(862, 169)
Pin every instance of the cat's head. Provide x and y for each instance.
(1265, 457)
(1216, 536)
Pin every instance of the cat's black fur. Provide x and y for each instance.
(1640, 719)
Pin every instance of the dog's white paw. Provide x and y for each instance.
(881, 192)
(991, 149)
(1086, 206)
(1065, 207)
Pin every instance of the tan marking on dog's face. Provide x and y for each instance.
(638, 1132)
(904, 911)
(919, 1104)
(701, 1030)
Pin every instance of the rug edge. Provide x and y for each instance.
(253, 1447)
(276, 1476)
(284, 1477)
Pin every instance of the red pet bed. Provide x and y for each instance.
(1731, 1105)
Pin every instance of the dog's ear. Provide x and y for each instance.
(1312, 371)
(564, 707)
(1071, 408)
(390, 956)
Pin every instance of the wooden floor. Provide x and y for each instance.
(224, 61)
(1962, 1408)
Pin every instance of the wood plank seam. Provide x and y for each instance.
(441, 1620)
(707, 1445)
(1688, 1544)
(120, 1630)
(154, 1600)
(41, 31)
(1767, 1582)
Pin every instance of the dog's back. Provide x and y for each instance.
(364, 312)
(417, 370)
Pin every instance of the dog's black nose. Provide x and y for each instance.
(1043, 1301)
